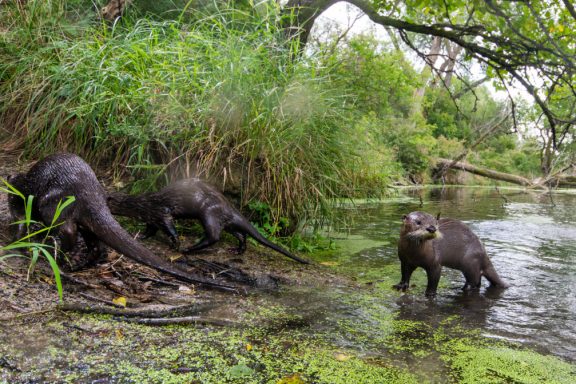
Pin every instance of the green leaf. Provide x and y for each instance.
(61, 205)
(240, 370)
(56, 271)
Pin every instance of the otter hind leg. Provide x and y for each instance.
(150, 231)
(86, 251)
(473, 279)
(241, 236)
(212, 231)
(167, 226)
(68, 234)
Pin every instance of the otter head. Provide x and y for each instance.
(418, 227)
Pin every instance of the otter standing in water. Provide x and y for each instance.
(190, 199)
(57, 176)
(430, 243)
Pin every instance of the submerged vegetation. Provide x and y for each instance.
(274, 345)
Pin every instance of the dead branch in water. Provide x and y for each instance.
(460, 165)
(555, 180)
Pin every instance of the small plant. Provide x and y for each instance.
(264, 220)
(27, 246)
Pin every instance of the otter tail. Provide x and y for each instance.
(495, 281)
(107, 229)
(253, 232)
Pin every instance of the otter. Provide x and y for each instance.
(190, 199)
(431, 243)
(57, 176)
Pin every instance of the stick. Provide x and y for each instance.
(143, 312)
(180, 320)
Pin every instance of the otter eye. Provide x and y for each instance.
(418, 222)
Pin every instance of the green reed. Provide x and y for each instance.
(34, 242)
(220, 96)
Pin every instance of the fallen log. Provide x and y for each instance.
(442, 165)
(556, 180)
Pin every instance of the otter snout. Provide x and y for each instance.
(431, 229)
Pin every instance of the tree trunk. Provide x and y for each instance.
(448, 65)
(430, 60)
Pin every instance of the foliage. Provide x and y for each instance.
(379, 81)
(389, 135)
(506, 153)
(219, 97)
(464, 118)
(529, 43)
(217, 92)
(28, 242)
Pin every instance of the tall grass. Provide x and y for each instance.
(220, 97)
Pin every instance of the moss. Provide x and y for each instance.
(347, 246)
(394, 350)
(323, 367)
(506, 365)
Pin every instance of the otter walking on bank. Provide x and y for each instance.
(57, 176)
(430, 242)
(190, 199)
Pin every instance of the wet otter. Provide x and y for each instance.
(190, 199)
(57, 176)
(430, 242)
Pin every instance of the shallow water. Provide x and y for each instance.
(530, 237)
(303, 328)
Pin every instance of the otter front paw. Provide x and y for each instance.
(235, 251)
(401, 286)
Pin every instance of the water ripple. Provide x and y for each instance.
(532, 245)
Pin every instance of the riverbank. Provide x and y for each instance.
(336, 321)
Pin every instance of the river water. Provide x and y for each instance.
(530, 237)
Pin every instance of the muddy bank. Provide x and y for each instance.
(46, 341)
(258, 269)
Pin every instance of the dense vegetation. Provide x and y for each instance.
(221, 93)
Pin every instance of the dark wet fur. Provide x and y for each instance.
(430, 243)
(57, 176)
(190, 199)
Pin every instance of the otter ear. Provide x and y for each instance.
(404, 217)
(438, 216)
